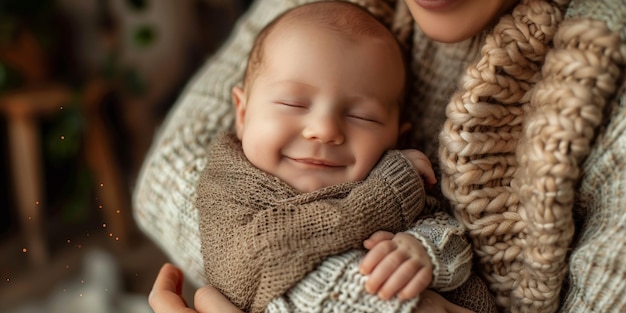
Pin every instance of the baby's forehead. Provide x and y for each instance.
(342, 17)
(338, 18)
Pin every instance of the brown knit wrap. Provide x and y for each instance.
(261, 236)
(514, 140)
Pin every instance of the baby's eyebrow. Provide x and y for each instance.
(290, 83)
(371, 104)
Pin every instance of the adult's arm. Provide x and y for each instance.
(596, 264)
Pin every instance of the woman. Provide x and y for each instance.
(531, 143)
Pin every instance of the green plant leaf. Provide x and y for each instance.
(144, 36)
(137, 5)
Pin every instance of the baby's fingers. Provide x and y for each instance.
(383, 271)
(375, 255)
(399, 279)
(422, 164)
(417, 284)
(376, 238)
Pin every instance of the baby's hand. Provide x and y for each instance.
(422, 164)
(396, 264)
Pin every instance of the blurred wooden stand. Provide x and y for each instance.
(23, 110)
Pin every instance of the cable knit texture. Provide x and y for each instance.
(260, 236)
(514, 140)
(532, 151)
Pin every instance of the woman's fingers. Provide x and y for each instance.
(432, 302)
(209, 300)
(169, 278)
(165, 296)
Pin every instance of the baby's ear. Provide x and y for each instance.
(239, 98)
(404, 127)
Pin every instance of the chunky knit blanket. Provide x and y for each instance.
(514, 141)
(532, 147)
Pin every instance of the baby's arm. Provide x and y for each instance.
(337, 283)
(399, 264)
(396, 264)
(447, 251)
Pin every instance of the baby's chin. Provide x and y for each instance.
(310, 185)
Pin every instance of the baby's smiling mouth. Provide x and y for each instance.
(316, 162)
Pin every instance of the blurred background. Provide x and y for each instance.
(84, 85)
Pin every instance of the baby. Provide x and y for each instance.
(310, 170)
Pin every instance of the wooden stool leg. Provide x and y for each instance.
(27, 177)
(110, 185)
(109, 182)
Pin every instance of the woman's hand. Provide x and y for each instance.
(166, 295)
(432, 302)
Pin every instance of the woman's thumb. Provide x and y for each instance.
(210, 300)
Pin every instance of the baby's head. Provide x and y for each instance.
(322, 95)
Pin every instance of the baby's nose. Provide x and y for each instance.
(325, 129)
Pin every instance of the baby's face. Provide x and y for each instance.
(323, 108)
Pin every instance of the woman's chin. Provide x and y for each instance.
(444, 35)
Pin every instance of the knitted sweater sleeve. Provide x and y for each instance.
(336, 285)
(265, 236)
(450, 252)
